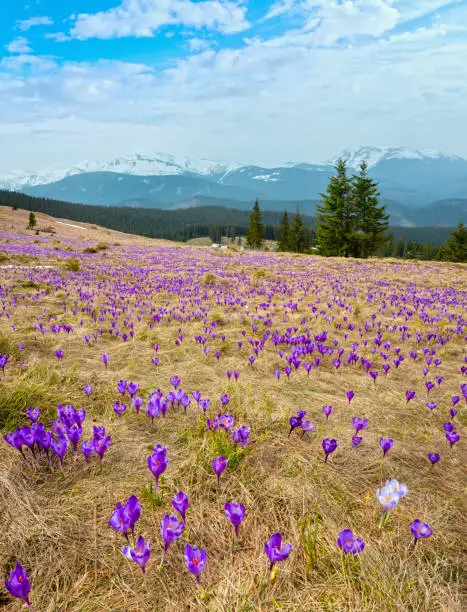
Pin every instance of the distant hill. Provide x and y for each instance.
(184, 223)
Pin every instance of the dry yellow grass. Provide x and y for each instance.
(56, 523)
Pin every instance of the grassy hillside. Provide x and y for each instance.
(198, 314)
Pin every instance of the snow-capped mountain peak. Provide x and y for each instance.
(374, 155)
(162, 164)
(153, 164)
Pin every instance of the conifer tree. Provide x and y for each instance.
(32, 221)
(336, 215)
(298, 238)
(456, 245)
(283, 244)
(371, 220)
(255, 234)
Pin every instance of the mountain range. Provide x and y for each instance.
(418, 187)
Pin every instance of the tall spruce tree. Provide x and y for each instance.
(255, 234)
(371, 220)
(298, 237)
(284, 229)
(336, 215)
(456, 245)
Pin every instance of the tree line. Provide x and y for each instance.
(350, 223)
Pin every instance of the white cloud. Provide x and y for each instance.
(296, 96)
(281, 7)
(198, 44)
(353, 18)
(25, 24)
(17, 62)
(18, 45)
(142, 18)
(413, 9)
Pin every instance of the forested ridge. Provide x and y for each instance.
(187, 223)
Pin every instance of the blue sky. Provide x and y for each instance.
(254, 81)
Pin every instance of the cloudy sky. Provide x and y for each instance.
(254, 81)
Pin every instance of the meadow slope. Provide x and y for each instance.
(301, 331)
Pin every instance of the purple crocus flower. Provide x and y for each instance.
(59, 447)
(235, 513)
(171, 530)
(452, 437)
(87, 389)
(236, 376)
(133, 511)
(212, 424)
(434, 458)
(356, 441)
(121, 386)
(33, 414)
(87, 448)
(241, 435)
(125, 517)
(409, 395)
(455, 399)
(15, 440)
(452, 412)
(359, 423)
(327, 411)
(3, 362)
(119, 408)
(448, 426)
(132, 389)
(386, 444)
(120, 520)
(225, 399)
(101, 445)
(180, 503)
(350, 395)
(307, 426)
(140, 553)
(137, 403)
(19, 586)
(158, 462)
(431, 406)
(350, 544)
(204, 404)
(275, 551)
(195, 560)
(74, 434)
(59, 354)
(420, 530)
(175, 381)
(329, 446)
(226, 421)
(296, 420)
(218, 465)
(105, 359)
(196, 396)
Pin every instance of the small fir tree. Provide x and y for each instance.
(283, 244)
(298, 237)
(32, 221)
(456, 245)
(255, 234)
